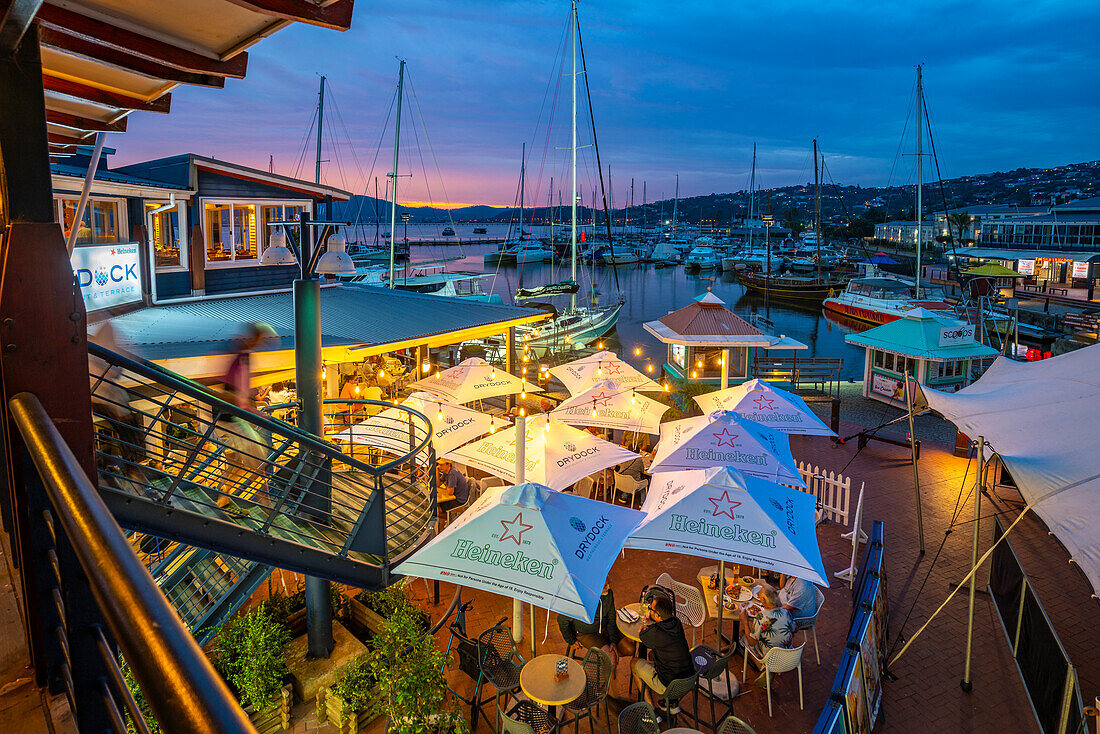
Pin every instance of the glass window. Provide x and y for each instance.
(219, 232)
(268, 213)
(104, 220)
(165, 236)
(244, 232)
(99, 225)
(68, 217)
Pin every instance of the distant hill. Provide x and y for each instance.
(793, 206)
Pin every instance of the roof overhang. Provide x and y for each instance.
(255, 175)
(72, 181)
(760, 341)
(1002, 253)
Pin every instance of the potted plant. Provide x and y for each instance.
(249, 651)
(409, 671)
(352, 702)
(367, 611)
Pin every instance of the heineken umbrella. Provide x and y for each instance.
(473, 379)
(770, 406)
(724, 438)
(582, 374)
(609, 405)
(530, 543)
(554, 454)
(992, 270)
(452, 425)
(729, 516)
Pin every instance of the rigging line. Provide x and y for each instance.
(431, 152)
(374, 162)
(305, 142)
(901, 140)
(596, 147)
(555, 82)
(843, 206)
(364, 179)
(943, 194)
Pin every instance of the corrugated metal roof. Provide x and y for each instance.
(64, 169)
(708, 318)
(351, 315)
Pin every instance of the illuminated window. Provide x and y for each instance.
(165, 236)
(98, 225)
(239, 232)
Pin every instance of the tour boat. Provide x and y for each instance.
(880, 299)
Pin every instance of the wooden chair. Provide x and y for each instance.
(776, 660)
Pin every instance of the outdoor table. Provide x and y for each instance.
(633, 629)
(682, 730)
(710, 595)
(538, 682)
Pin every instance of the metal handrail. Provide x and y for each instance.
(181, 686)
(197, 391)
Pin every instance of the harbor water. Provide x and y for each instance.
(649, 292)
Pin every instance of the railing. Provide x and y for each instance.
(1045, 668)
(178, 461)
(87, 551)
(832, 490)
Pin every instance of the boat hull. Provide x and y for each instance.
(580, 333)
(790, 289)
(877, 315)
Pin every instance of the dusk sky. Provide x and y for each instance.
(683, 87)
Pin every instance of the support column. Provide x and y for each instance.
(725, 368)
(510, 359)
(979, 486)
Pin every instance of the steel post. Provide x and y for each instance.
(979, 482)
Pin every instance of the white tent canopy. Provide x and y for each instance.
(1043, 420)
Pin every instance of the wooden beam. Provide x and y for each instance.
(136, 44)
(335, 15)
(85, 123)
(25, 187)
(15, 19)
(67, 42)
(56, 139)
(103, 97)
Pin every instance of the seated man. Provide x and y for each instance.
(663, 634)
(453, 489)
(797, 596)
(768, 626)
(603, 632)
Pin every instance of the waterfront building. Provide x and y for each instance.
(935, 350)
(709, 343)
(983, 213)
(905, 233)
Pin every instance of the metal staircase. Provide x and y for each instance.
(234, 491)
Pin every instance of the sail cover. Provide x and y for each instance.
(561, 288)
(1042, 420)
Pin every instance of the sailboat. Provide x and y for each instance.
(522, 249)
(815, 287)
(580, 324)
(880, 298)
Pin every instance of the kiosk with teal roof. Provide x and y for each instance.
(936, 350)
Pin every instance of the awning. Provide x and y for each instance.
(1043, 420)
(357, 321)
(1000, 253)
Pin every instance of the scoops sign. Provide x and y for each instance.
(108, 275)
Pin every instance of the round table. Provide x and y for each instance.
(538, 682)
(682, 730)
(632, 629)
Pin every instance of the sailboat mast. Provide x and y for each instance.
(522, 181)
(752, 194)
(573, 199)
(396, 151)
(645, 212)
(920, 171)
(676, 205)
(817, 212)
(550, 211)
(377, 219)
(320, 124)
(627, 221)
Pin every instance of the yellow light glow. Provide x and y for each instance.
(324, 373)
(599, 345)
(665, 386)
(522, 411)
(694, 374)
(548, 426)
(357, 388)
(381, 372)
(426, 367)
(523, 395)
(637, 351)
(439, 414)
(493, 375)
(699, 364)
(633, 397)
(649, 368)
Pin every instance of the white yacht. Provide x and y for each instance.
(702, 258)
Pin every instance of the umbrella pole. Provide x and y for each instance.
(979, 486)
(517, 605)
(721, 600)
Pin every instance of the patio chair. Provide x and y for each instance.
(598, 670)
(526, 717)
(586, 487)
(809, 623)
(669, 701)
(627, 485)
(460, 508)
(638, 718)
(719, 687)
(497, 657)
(776, 660)
(690, 607)
(490, 482)
(734, 725)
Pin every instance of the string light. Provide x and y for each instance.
(637, 351)
(324, 373)
(593, 407)
(357, 388)
(439, 415)
(492, 425)
(522, 411)
(665, 386)
(426, 367)
(381, 372)
(694, 374)
(525, 356)
(600, 345)
(493, 375)
(633, 397)
(548, 426)
(522, 394)
(599, 369)
(649, 367)
(699, 363)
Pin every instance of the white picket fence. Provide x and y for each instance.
(832, 490)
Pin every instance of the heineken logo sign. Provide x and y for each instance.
(511, 560)
(735, 532)
(724, 458)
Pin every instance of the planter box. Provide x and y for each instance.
(275, 717)
(363, 618)
(330, 709)
(296, 622)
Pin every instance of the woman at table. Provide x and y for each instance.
(603, 632)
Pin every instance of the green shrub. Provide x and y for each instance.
(142, 702)
(250, 653)
(354, 686)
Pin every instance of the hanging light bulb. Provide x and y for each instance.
(599, 369)
(492, 425)
(493, 374)
(593, 408)
(522, 394)
(547, 426)
(324, 373)
(426, 367)
(381, 372)
(438, 374)
(525, 356)
(721, 361)
(522, 411)
(665, 386)
(599, 345)
(699, 363)
(649, 367)
(637, 351)
(633, 397)
(694, 374)
(439, 414)
(357, 388)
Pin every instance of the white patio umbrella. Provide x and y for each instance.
(528, 542)
(770, 406)
(610, 405)
(723, 438)
(726, 515)
(582, 374)
(452, 425)
(555, 454)
(473, 379)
